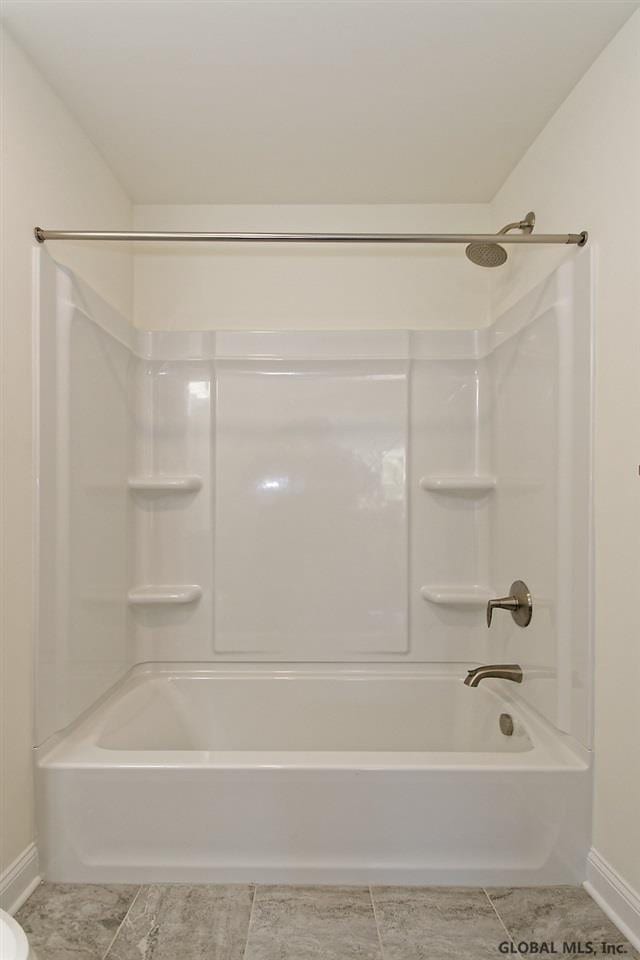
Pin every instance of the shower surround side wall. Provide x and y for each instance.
(86, 365)
(541, 524)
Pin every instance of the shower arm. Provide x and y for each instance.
(144, 236)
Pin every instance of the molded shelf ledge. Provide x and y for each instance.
(160, 484)
(473, 596)
(479, 483)
(168, 594)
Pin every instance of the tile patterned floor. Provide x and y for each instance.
(212, 922)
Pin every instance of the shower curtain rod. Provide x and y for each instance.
(153, 236)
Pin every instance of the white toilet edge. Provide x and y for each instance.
(13, 940)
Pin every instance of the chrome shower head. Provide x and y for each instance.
(492, 254)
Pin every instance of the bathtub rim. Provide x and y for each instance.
(76, 748)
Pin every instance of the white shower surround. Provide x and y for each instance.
(498, 501)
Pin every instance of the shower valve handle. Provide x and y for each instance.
(519, 603)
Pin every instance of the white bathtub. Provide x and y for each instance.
(312, 774)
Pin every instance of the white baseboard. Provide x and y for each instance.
(19, 880)
(620, 902)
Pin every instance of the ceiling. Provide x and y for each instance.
(313, 101)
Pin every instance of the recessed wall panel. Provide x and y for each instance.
(311, 508)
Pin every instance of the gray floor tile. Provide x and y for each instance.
(438, 923)
(211, 922)
(556, 915)
(308, 923)
(170, 921)
(74, 921)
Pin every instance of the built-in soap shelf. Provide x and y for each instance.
(168, 594)
(475, 595)
(470, 484)
(165, 484)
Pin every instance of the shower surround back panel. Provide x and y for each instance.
(297, 527)
(311, 508)
(252, 457)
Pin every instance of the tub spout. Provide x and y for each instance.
(503, 671)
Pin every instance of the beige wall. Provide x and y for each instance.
(583, 172)
(310, 287)
(51, 175)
